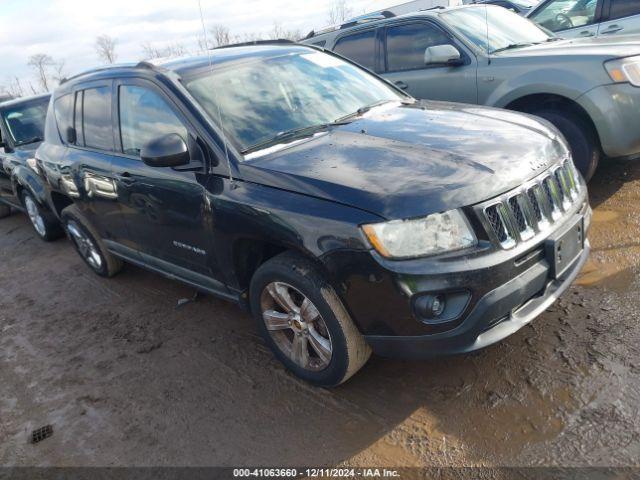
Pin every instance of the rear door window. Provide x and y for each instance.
(406, 45)
(96, 118)
(359, 47)
(624, 8)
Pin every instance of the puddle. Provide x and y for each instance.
(608, 276)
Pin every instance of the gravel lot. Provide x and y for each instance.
(126, 377)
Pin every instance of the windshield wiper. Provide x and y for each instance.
(362, 110)
(31, 140)
(511, 47)
(290, 135)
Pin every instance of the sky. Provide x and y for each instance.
(67, 29)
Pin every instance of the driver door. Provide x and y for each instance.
(405, 46)
(165, 209)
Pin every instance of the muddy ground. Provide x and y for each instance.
(128, 378)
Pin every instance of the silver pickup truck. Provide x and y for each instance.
(588, 88)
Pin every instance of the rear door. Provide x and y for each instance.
(90, 155)
(622, 18)
(405, 46)
(165, 209)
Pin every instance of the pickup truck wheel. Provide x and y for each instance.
(88, 244)
(304, 322)
(5, 211)
(580, 136)
(44, 222)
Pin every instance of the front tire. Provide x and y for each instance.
(304, 322)
(88, 244)
(43, 222)
(582, 139)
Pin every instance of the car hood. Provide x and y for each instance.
(21, 153)
(602, 47)
(401, 161)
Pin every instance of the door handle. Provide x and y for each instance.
(612, 29)
(126, 178)
(401, 84)
(587, 33)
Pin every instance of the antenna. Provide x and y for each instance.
(215, 94)
(486, 21)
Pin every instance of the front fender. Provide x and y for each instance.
(559, 82)
(24, 177)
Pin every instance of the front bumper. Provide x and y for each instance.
(615, 111)
(498, 314)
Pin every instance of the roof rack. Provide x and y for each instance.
(99, 69)
(280, 41)
(369, 17)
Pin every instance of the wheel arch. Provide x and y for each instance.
(532, 102)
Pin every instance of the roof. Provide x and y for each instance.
(22, 100)
(182, 65)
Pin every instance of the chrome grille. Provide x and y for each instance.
(517, 217)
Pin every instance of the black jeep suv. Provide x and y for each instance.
(21, 187)
(346, 215)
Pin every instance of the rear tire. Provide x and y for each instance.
(44, 223)
(579, 134)
(5, 210)
(88, 244)
(316, 339)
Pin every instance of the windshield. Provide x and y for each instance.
(503, 28)
(264, 98)
(25, 121)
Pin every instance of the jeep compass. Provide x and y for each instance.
(345, 215)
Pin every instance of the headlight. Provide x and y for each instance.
(437, 233)
(625, 70)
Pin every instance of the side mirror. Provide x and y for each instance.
(442, 55)
(71, 135)
(166, 151)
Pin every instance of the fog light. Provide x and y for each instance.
(437, 306)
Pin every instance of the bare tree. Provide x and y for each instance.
(41, 63)
(170, 51)
(339, 12)
(106, 48)
(59, 71)
(278, 32)
(221, 35)
(14, 87)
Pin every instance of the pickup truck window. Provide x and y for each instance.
(359, 47)
(624, 8)
(144, 116)
(406, 45)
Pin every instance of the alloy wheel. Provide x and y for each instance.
(34, 215)
(296, 326)
(85, 245)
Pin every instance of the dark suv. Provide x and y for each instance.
(21, 187)
(345, 214)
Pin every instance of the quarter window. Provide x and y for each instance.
(406, 45)
(96, 118)
(360, 47)
(145, 116)
(63, 110)
(624, 8)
